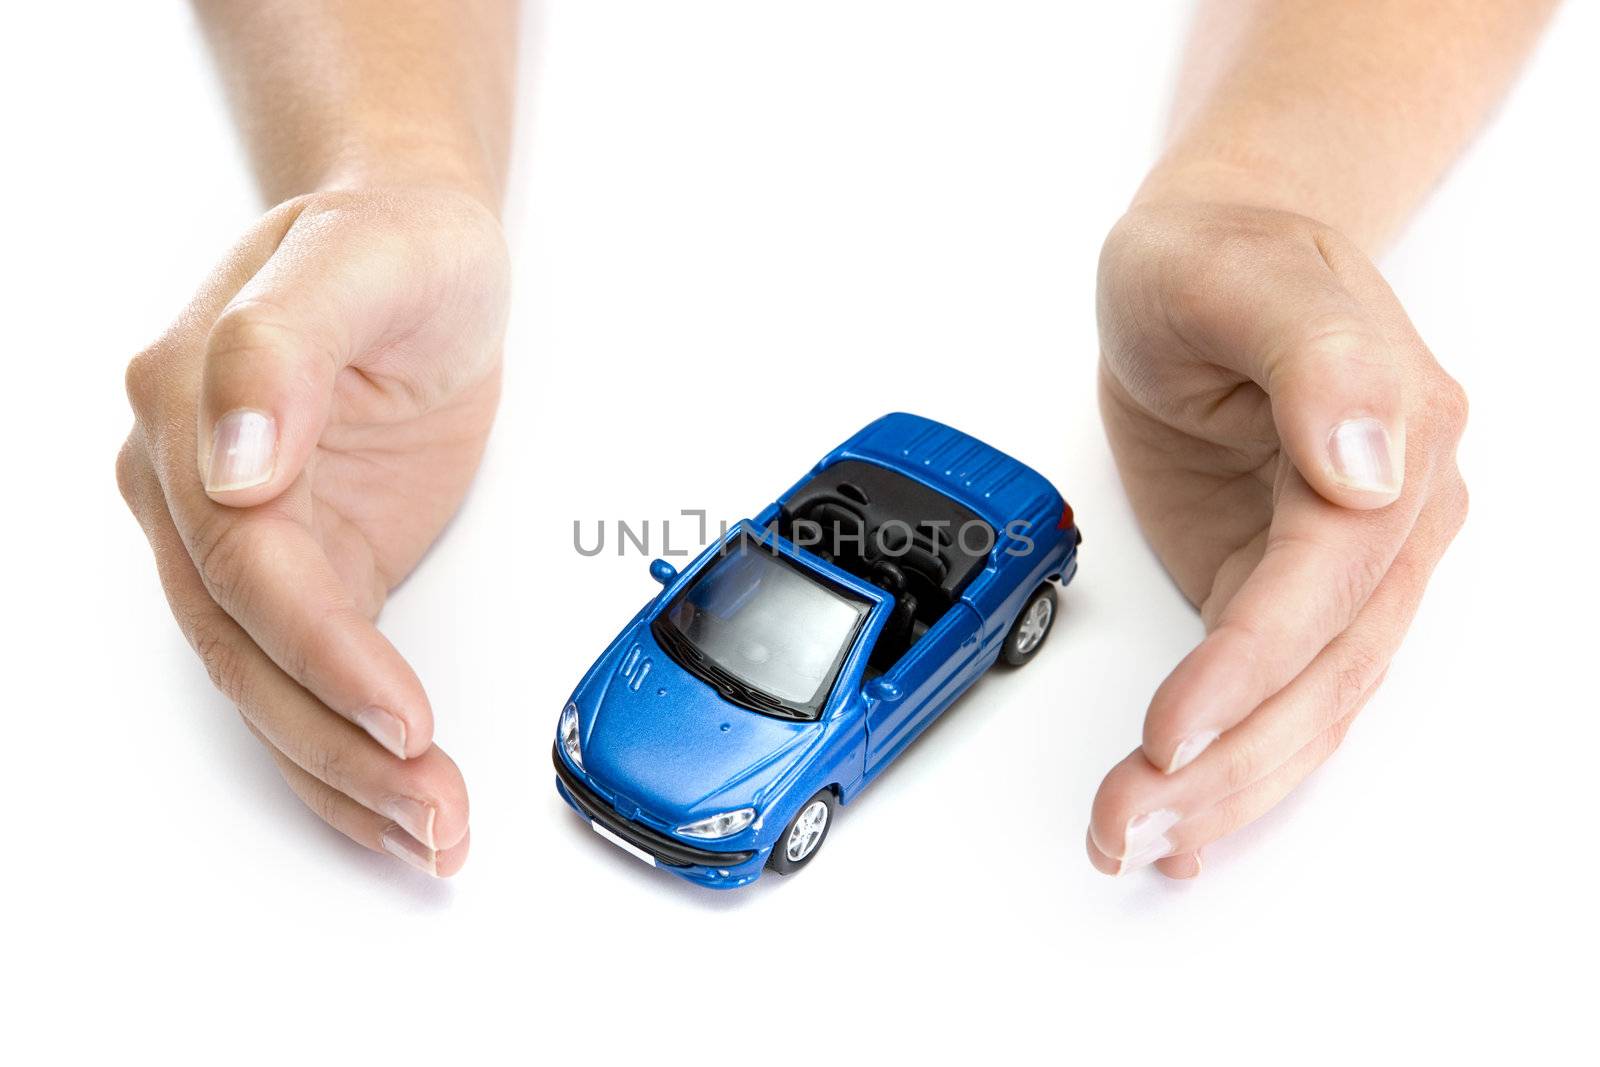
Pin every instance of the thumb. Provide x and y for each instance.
(266, 390)
(274, 353)
(1279, 313)
(1338, 401)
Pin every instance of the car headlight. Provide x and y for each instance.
(724, 825)
(569, 734)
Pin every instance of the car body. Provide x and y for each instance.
(793, 660)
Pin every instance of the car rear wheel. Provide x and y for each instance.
(803, 837)
(1031, 628)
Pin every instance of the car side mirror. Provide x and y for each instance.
(662, 571)
(880, 688)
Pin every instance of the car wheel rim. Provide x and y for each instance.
(1034, 625)
(807, 831)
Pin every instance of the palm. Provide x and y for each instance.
(377, 493)
(1200, 470)
(409, 419)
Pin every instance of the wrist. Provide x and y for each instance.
(414, 162)
(1264, 183)
(1219, 181)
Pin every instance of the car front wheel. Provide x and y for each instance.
(1031, 628)
(804, 835)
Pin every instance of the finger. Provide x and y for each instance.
(1181, 866)
(1336, 374)
(1137, 805)
(1319, 566)
(1141, 815)
(251, 324)
(263, 565)
(1099, 860)
(269, 368)
(366, 827)
(1240, 809)
(339, 291)
(270, 574)
(426, 795)
(265, 568)
(1172, 842)
(1337, 678)
(362, 825)
(1139, 819)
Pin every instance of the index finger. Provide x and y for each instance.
(1321, 564)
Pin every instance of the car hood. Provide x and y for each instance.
(665, 742)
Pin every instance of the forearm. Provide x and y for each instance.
(1346, 111)
(337, 93)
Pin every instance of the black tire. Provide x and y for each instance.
(779, 860)
(1026, 638)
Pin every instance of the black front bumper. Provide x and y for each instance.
(666, 850)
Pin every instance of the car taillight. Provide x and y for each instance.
(1066, 517)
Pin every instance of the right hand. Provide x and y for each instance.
(302, 433)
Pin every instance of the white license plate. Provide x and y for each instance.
(626, 846)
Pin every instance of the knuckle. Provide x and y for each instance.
(1334, 736)
(1449, 402)
(1355, 675)
(1457, 503)
(1359, 576)
(224, 664)
(1350, 577)
(1230, 813)
(1245, 765)
(1333, 336)
(325, 803)
(128, 474)
(223, 547)
(259, 330)
(142, 380)
(1191, 286)
(327, 763)
(294, 656)
(1327, 346)
(243, 329)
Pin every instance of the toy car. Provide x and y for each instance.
(791, 662)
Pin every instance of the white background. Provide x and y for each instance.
(741, 231)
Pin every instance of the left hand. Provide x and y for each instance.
(302, 434)
(1288, 443)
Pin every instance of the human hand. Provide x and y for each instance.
(302, 433)
(1288, 444)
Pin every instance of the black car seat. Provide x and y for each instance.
(843, 533)
(896, 636)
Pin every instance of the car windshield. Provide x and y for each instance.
(763, 630)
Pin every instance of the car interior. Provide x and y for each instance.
(894, 532)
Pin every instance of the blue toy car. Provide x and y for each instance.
(792, 661)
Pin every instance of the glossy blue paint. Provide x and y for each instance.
(665, 749)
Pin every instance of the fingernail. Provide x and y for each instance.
(1359, 450)
(242, 450)
(414, 816)
(1189, 748)
(386, 728)
(402, 846)
(1145, 840)
(1184, 868)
